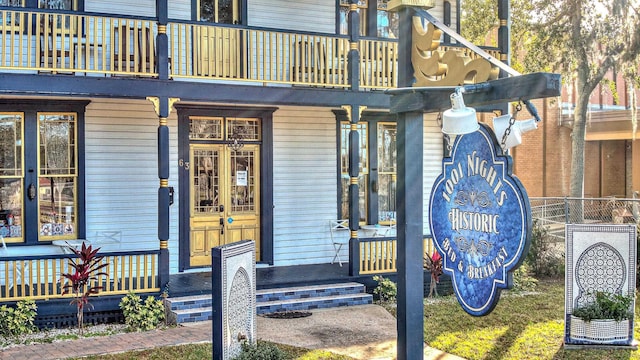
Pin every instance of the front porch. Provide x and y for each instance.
(38, 277)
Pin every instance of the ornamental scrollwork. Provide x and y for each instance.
(439, 67)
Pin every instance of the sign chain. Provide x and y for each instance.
(512, 121)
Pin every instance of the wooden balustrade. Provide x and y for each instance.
(41, 277)
(71, 43)
(379, 255)
(84, 44)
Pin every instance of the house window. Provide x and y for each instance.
(16, 3)
(57, 4)
(11, 175)
(41, 195)
(386, 171)
(344, 16)
(377, 172)
(57, 175)
(386, 22)
(219, 11)
(375, 20)
(363, 173)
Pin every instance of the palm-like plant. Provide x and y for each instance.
(83, 281)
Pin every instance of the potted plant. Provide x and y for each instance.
(606, 319)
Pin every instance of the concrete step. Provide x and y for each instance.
(320, 302)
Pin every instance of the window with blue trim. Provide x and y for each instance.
(40, 190)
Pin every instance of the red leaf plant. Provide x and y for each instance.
(433, 263)
(83, 281)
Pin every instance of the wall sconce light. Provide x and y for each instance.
(514, 136)
(459, 119)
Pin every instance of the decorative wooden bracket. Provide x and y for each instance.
(433, 67)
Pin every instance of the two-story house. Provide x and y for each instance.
(159, 129)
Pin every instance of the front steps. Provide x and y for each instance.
(199, 307)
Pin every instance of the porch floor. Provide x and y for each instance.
(266, 278)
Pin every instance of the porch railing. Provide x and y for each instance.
(40, 277)
(72, 43)
(378, 255)
(85, 44)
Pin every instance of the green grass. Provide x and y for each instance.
(520, 327)
(204, 351)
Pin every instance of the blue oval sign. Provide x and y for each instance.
(480, 219)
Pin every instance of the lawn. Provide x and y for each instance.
(204, 351)
(521, 326)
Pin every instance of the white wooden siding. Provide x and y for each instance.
(122, 174)
(179, 9)
(304, 184)
(128, 7)
(300, 15)
(432, 162)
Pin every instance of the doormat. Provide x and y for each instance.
(287, 315)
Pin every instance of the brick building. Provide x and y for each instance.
(612, 155)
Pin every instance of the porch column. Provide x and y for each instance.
(504, 42)
(162, 41)
(353, 58)
(409, 205)
(354, 172)
(162, 107)
(504, 34)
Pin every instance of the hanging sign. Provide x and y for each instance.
(480, 220)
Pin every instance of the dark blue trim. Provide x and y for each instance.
(447, 19)
(266, 189)
(162, 11)
(63, 256)
(266, 175)
(30, 108)
(410, 311)
(163, 152)
(216, 309)
(135, 88)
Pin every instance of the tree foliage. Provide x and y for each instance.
(583, 40)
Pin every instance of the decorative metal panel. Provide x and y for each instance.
(234, 293)
(599, 258)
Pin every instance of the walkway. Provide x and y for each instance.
(363, 332)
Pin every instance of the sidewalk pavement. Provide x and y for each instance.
(362, 332)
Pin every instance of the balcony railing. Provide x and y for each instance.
(91, 45)
(379, 255)
(40, 277)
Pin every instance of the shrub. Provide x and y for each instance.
(260, 351)
(522, 279)
(83, 281)
(386, 289)
(544, 259)
(19, 320)
(142, 316)
(606, 306)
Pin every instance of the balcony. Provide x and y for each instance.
(87, 45)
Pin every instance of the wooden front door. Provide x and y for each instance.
(224, 198)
